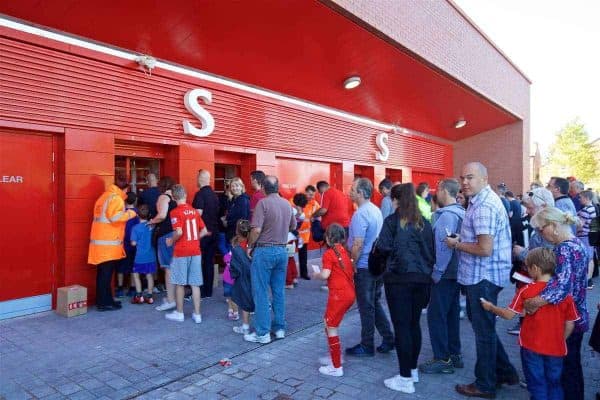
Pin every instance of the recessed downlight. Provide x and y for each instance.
(460, 123)
(352, 82)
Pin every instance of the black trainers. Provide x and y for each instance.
(385, 348)
(457, 361)
(360, 351)
(437, 367)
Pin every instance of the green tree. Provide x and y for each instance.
(572, 154)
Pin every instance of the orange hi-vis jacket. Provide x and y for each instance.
(108, 227)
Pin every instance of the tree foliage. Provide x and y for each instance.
(572, 154)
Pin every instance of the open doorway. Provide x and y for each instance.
(136, 171)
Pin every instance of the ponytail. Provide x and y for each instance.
(570, 219)
(555, 216)
(338, 255)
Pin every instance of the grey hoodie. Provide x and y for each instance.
(446, 259)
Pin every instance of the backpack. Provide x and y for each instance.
(317, 231)
(594, 235)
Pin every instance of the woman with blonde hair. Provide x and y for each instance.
(239, 208)
(570, 278)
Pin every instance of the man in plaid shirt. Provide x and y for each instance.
(484, 267)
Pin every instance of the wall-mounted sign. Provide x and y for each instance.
(11, 179)
(192, 104)
(382, 144)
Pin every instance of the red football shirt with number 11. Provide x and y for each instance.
(186, 218)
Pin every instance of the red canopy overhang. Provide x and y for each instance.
(303, 49)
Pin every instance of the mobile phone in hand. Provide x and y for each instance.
(450, 234)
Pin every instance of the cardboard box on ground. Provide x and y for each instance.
(71, 300)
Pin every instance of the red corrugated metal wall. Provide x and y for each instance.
(49, 86)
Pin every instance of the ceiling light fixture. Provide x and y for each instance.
(352, 82)
(460, 123)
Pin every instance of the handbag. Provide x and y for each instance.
(317, 231)
(377, 260)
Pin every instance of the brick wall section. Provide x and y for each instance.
(504, 151)
(437, 32)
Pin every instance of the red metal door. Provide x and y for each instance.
(26, 201)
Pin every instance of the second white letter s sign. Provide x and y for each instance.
(382, 144)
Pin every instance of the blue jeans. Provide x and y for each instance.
(268, 269)
(492, 361)
(542, 374)
(368, 298)
(443, 319)
(572, 374)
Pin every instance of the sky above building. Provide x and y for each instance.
(556, 44)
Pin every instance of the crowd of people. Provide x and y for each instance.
(422, 250)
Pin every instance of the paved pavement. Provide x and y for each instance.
(136, 353)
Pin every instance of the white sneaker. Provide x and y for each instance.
(279, 334)
(197, 318)
(326, 360)
(244, 330)
(400, 384)
(254, 338)
(331, 370)
(414, 373)
(175, 316)
(165, 306)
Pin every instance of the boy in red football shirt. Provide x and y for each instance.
(338, 271)
(186, 267)
(543, 334)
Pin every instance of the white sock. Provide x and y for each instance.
(245, 326)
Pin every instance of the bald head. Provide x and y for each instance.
(474, 178)
(271, 184)
(203, 178)
(479, 167)
(152, 180)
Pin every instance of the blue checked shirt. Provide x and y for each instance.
(486, 216)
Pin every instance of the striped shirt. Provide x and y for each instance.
(486, 216)
(586, 215)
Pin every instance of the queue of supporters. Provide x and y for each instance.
(421, 251)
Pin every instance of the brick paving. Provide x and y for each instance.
(136, 353)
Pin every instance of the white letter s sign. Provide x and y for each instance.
(382, 145)
(193, 106)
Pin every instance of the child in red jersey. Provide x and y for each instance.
(543, 334)
(338, 271)
(186, 266)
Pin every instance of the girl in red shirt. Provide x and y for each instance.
(338, 271)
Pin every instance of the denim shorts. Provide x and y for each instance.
(165, 253)
(186, 271)
(227, 289)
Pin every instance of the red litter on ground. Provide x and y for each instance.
(225, 362)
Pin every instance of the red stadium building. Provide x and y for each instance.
(90, 89)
